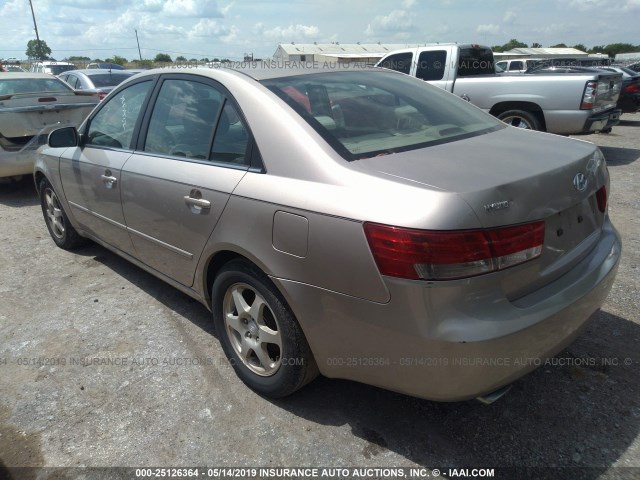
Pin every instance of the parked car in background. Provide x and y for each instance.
(629, 98)
(519, 65)
(356, 222)
(51, 67)
(95, 80)
(629, 101)
(576, 103)
(14, 68)
(11, 61)
(30, 104)
(635, 67)
(110, 66)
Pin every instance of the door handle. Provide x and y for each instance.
(197, 202)
(108, 179)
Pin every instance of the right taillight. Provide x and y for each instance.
(589, 96)
(633, 88)
(446, 255)
(601, 198)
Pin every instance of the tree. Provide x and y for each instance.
(580, 47)
(614, 48)
(143, 63)
(536, 45)
(181, 59)
(37, 51)
(76, 58)
(560, 45)
(162, 57)
(598, 49)
(118, 60)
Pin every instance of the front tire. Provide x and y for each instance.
(60, 229)
(520, 119)
(258, 333)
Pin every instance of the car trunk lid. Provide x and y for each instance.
(510, 177)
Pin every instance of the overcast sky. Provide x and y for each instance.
(230, 28)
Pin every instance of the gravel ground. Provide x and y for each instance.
(65, 309)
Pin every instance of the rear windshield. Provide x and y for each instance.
(108, 79)
(369, 113)
(31, 85)
(475, 61)
(58, 69)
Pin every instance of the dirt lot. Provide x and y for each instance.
(160, 406)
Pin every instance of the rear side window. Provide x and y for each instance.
(475, 60)
(431, 65)
(400, 62)
(114, 123)
(516, 65)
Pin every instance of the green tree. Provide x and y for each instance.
(181, 59)
(580, 46)
(143, 63)
(536, 45)
(560, 45)
(513, 43)
(76, 58)
(614, 48)
(118, 60)
(37, 51)
(162, 57)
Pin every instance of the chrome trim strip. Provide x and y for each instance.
(161, 243)
(101, 217)
(131, 230)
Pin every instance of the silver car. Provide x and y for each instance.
(356, 223)
(101, 81)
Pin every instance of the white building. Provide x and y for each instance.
(367, 53)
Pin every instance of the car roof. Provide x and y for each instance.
(30, 75)
(97, 71)
(262, 73)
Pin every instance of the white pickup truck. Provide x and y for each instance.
(564, 104)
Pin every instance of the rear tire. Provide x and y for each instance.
(520, 119)
(58, 224)
(258, 333)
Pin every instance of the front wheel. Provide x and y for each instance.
(520, 119)
(61, 230)
(258, 333)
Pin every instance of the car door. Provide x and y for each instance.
(90, 173)
(194, 151)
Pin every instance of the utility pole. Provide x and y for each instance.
(138, 41)
(38, 50)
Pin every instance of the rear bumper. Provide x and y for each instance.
(444, 342)
(602, 121)
(16, 163)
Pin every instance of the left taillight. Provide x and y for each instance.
(447, 255)
(589, 95)
(102, 95)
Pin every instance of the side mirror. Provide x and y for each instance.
(63, 137)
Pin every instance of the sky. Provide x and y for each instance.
(233, 28)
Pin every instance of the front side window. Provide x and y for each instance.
(516, 66)
(114, 123)
(368, 113)
(400, 62)
(183, 119)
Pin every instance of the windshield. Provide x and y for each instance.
(368, 113)
(108, 79)
(31, 85)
